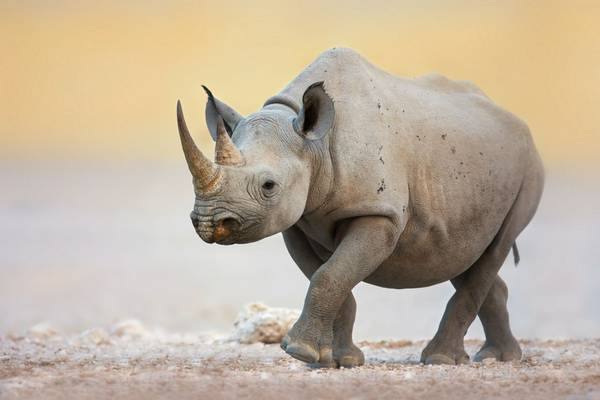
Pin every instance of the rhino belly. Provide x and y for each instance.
(399, 273)
(430, 258)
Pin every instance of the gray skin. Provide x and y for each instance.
(400, 183)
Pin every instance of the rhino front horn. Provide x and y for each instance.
(207, 174)
(225, 152)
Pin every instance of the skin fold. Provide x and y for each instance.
(400, 183)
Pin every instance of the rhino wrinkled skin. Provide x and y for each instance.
(401, 183)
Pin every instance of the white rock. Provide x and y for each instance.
(260, 323)
(42, 331)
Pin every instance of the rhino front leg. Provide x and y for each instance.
(362, 245)
(345, 352)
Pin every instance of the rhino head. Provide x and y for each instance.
(261, 177)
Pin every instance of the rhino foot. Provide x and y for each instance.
(505, 352)
(302, 351)
(308, 341)
(348, 357)
(446, 359)
(308, 353)
(438, 354)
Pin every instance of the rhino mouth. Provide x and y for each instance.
(225, 230)
(206, 234)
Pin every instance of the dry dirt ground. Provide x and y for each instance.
(129, 362)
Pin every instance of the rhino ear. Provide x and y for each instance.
(316, 117)
(215, 109)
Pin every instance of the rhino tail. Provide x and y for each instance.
(516, 255)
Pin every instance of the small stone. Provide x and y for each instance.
(130, 328)
(488, 361)
(95, 336)
(264, 376)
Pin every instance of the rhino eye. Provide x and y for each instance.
(268, 185)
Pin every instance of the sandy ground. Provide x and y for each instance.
(129, 361)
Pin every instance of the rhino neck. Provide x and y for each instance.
(282, 101)
(322, 175)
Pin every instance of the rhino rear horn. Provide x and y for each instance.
(225, 152)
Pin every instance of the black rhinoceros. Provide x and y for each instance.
(397, 182)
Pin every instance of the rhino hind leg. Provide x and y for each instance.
(472, 290)
(481, 280)
(499, 340)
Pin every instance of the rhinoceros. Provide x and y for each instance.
(397, 182)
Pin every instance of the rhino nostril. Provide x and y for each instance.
(224, 228)
(229, 223)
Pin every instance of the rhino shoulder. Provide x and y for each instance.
(440, 82)
(344, 53)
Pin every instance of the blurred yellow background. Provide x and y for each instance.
(100, 79)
